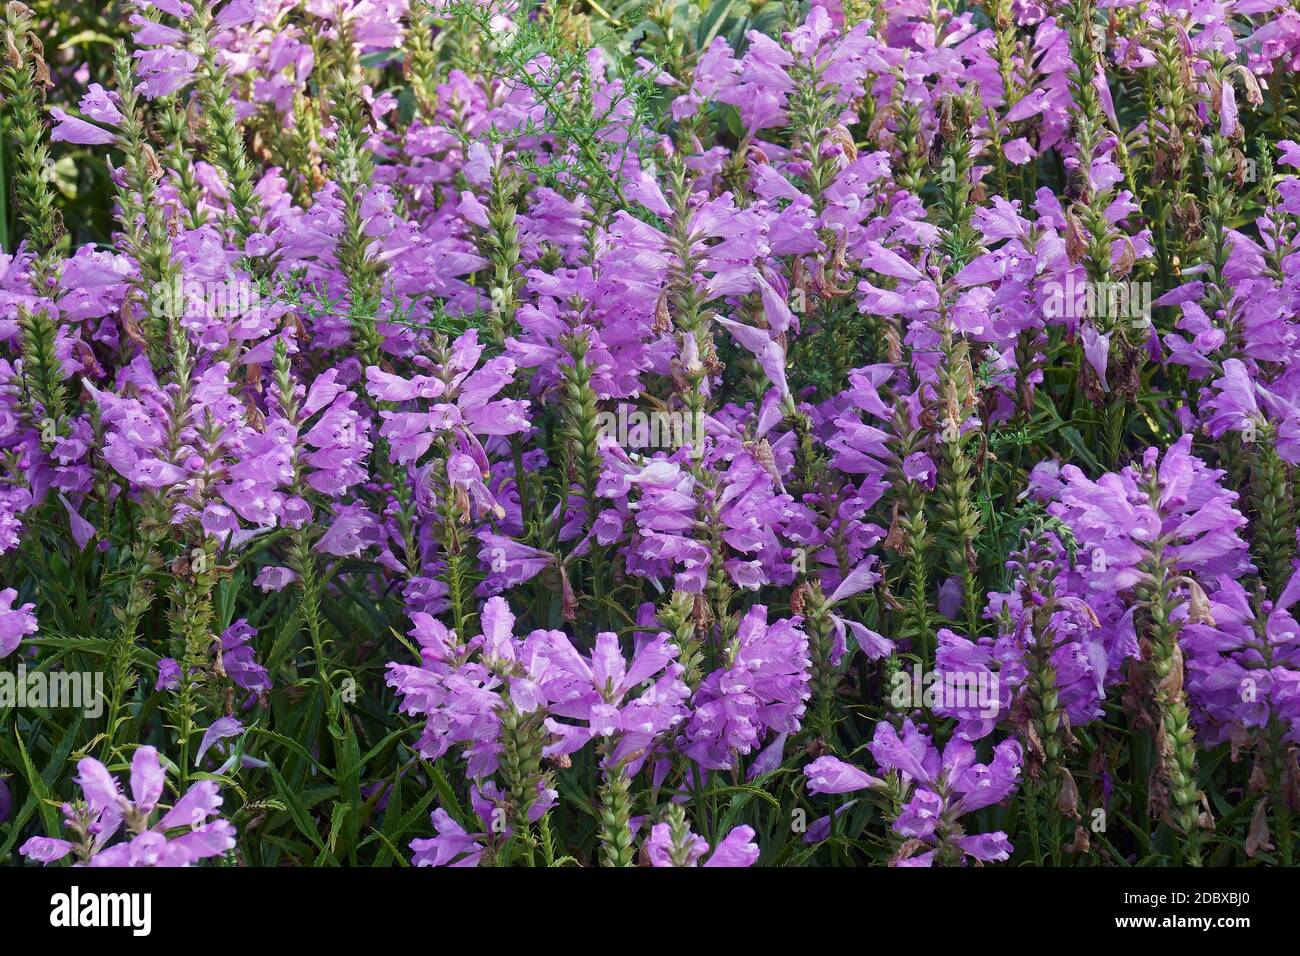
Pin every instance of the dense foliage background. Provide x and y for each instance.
(493, 433)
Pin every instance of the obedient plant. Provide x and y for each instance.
(491, 433)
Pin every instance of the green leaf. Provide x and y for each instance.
(297, 811)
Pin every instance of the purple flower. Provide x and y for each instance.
(69, 129)
(598, 692)
(101, 105)
(944, 788)
(1243, 663)
(274, 578)
(763, 690)
(459, 697)
(221, 729)
(832, 775)
(15, 622)
(1172, 506)
(736, 849)
(190, 831)
(169, 674)
(239, 662)
(451, 847)
(1045, 609)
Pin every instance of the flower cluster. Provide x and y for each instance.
(188, 832)
(491, 433)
